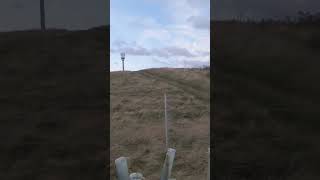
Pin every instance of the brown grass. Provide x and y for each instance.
(266, 101)
(52, 104)
(137, 120)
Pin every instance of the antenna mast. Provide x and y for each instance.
(42, 16)
(122, 58)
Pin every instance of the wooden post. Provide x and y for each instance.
(168, 163)
(122, 168)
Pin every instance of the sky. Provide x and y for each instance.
(61, 14)
(85, 14)
(153, 33)
(159, 33)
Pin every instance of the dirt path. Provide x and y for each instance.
(196, 91)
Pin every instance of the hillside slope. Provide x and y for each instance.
(52, 102)
(137, 120)
(266, 105)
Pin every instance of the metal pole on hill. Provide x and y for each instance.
(42, 16)
(122, 58)
(165, 119)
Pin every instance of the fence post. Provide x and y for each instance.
(122, 168)
(167, 166)
(166, 120)
(208, 163)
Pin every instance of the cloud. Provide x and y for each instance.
(199, 3)
(200, 22)
(204, 53)
(178, 35)
(182, 36)
(137, 50)
(181, 10)
(164, 62)
(160, 53)
(183, 63)
(119, 43)
(144, 22)
(190, 63)
(177, 51)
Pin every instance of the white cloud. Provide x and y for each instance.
(185, 38)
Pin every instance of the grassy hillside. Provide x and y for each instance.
(266, 101)
(52, 104)
(137, 120)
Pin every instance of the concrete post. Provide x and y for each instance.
(168, 163)
(122, 168)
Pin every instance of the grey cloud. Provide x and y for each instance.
(119, 43)
(199, 3)
(182, 63)
(134, 49)
(177, 51)
(199, 22)
(189, 63)
(160, 53)
(137, 51)
(203, 53)
(131, 48)
(167, 63)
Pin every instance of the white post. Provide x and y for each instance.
(122, 168)
(136, 176)
(166, 120)
(168, 163)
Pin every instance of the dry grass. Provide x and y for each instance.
(52, 104)
(266, 101)
(137, 120)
